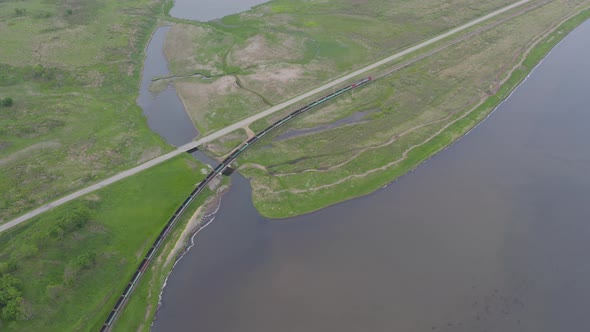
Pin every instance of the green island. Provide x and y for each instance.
(69, 77)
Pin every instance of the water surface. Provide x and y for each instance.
(207, 10)
(165, 112)
(492, 234)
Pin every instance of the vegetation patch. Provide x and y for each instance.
(283, 48)
(218, 103)
(69, 73)
(424, 107)
(64, 270)
(142, 306)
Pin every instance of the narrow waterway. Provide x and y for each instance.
(164, 111)
(491, 234)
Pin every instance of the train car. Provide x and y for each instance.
(217, 170)
(361, 82)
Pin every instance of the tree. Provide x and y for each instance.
(75, 219)
(7, 266)
(11, 300)
(7, 102)
(12, 309)
(9, 288)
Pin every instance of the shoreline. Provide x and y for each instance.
(204, 216)
(475, 116)
(144, 303)
(480, 113)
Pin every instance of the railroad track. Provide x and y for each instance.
(219, 169)
(192, 145)
(226, 163)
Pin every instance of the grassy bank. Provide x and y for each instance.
(282, 48)
(73, 262)
(414, 113)
(72, 70)
(140, 310)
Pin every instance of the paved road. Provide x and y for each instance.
(249, 120)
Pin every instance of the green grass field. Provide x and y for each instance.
(142, 306)
(118, 226)
(283, 48)
(417, 111)
(72, 69)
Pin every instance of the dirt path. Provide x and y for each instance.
(249, 131)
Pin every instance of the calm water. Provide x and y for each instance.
(165, 112)
(492, 234)
(207, 10)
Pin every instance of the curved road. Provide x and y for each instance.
(249, 120)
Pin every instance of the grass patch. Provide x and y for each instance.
(313, 171)
(75, 260)
(72, 70)
(282, 48)
(142, 306)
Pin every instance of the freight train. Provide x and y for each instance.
(201, 186)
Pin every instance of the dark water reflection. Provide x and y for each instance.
(492, 234)
(165, 112)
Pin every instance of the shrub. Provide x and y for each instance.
(7, 266)
(11, 301)
(12, 309)
(75, 219)
(85, 260)
(7, 102)
(76, 265)
(20, 11)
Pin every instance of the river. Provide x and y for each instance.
(491, 234)
(164, 110)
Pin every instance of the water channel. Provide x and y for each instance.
(206, 10)
(164, 110)
(491, 234)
